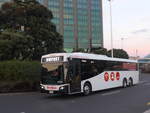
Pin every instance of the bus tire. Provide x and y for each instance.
(124, 83)
(87, 89)
(130, 82)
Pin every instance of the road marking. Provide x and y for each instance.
(146, 84)
(148, 111)
(142, 82)
(72, 101)
(111, 93)
(148, 104)
(22, 112)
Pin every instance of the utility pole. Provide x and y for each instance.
(111, 31)
(136, 53)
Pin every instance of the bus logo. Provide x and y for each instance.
(112, 76)
(106, 76)
(51, 87)
(118, 76)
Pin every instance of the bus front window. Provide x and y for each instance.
(52, 73)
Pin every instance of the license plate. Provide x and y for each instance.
(51, 92)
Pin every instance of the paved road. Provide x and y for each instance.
(128, 100)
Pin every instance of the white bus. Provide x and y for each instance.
(71, 73)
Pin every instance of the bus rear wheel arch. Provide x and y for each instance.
(87, 88)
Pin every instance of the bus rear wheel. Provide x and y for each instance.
(130, 82)
(87, 89)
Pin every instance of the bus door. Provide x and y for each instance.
(74, 75)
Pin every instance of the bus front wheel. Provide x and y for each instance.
(87, 89)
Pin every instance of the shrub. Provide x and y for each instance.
(14, 73)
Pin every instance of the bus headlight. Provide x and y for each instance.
(42, 87)
(62, 88)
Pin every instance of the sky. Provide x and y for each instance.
(130, 26)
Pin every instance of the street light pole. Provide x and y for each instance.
(122, 43)
(111, 32)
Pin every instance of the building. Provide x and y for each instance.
(145, 63)
(134, 57)
(79, 21)
(146, 59)
(2, 1)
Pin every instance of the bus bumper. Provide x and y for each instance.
(55, 89)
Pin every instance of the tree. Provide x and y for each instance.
(100, 50)
(118, 53)
(34, 20)
(15, 45)
(79, 50)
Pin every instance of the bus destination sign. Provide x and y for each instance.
(53, 59)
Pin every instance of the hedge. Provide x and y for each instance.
(19, 75)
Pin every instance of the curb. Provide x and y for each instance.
(17, 93)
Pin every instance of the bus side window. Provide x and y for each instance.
(92, 68)
(84, 69)
(101, 66)
(113, 65)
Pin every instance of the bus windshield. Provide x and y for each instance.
(52, 73)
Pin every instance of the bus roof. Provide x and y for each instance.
(88, 56)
